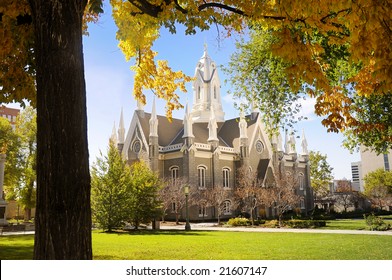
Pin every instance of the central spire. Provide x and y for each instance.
(206, 90)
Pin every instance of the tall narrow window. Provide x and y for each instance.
(227, 207)
(198, 92)
(226, 177)
(201, 171)
(301, 181)
(173, 207)
(214, 92)
(302, 203)
(202, 210)
(174, 174)
(386, 162)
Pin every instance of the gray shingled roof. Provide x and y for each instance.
(171, 133)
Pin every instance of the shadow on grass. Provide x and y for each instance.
(156, 232)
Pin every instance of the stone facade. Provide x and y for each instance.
(207, 150)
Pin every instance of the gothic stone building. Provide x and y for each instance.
(206, 149)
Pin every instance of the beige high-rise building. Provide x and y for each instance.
(370, 161)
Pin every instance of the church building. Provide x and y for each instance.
(206, 149)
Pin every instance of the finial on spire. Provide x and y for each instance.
(280, 142)
(121, 129)
(188, 128)
(292, 149)
(242, 124)
(212, 126)
(153, 121)
(304, 144)
(113, 137)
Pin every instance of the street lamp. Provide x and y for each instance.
(186, 190)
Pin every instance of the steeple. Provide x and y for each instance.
(243, 125)
(292, 149)
(153, 121)
(139, 105)
(287, 143)
(280, 143)
(113, 137)
(304, 144)
(188, 129)
(212, 127)
(121, 129)
(206, 90)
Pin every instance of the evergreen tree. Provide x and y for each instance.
(145, 205)
(110, 194)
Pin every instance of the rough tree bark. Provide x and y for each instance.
(63, 218)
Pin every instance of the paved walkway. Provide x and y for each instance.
(211, 226)
(214, 227)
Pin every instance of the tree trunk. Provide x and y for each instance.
(63, 218)
(27, 214)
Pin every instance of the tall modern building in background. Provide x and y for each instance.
(356, 172)
(370, 161)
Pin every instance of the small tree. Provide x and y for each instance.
(144, 205)
(110, 194)
(249, 193)
(378, 187)
(320, 173)
(215, 197)
(345, 195)
(26, 129)
(282, 195)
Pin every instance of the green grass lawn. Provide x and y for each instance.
(350, 224)
(215, 245)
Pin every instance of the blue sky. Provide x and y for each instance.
(110, 81)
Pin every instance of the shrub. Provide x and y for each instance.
(238, 222)
(271, 224)
(305, 223)
(259, 222)
(376, 223)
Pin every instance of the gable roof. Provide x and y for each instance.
(170, 133)
(166, 131)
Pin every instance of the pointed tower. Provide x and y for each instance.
(153, 139)
(280, 143)
(206, 91)
(244, 146)
(212, 127)
(292, 148)
(153, 121)
(113, 137)
(188, 128)
(287, 143)
(121, 133)
(304, 144)
(188, 149)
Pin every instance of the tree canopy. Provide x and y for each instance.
(320, 173)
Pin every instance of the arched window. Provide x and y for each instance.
(173, 207)
(226, 177)
(202, 210)
(227, 207)
(201, 173)
(302, 201)
(301, 181)
(174, 174)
